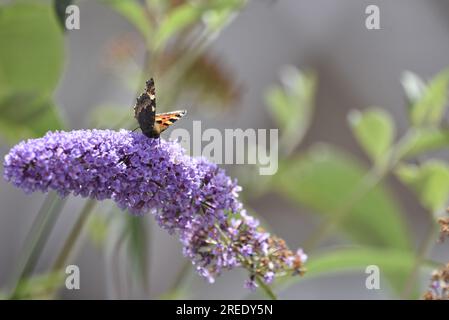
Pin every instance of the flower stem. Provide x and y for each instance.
(179, 287)
(424, 250)
(69, 244)
(266, 288)
(35, 241)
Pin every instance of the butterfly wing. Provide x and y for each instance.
(164, 120)
(145, 110)
(150, 123)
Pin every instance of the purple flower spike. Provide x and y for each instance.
(190, 197)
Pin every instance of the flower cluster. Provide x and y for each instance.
(189, 197)
(439, 285)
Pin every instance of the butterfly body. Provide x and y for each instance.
(151, 123)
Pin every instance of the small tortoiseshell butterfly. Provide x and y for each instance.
(151, 123)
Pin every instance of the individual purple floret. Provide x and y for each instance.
(190, 197)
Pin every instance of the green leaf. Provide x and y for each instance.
(374, 130)
(32, 49)
(220, 13)
(25, 115)
(392, 262)
(178, 19)
(429, 108)
(324, 178)
(291, 105)
(424, 140)
(134, 12)
(430, 181)
(413, 86)
(31, 61)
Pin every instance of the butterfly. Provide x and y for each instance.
(151, 123)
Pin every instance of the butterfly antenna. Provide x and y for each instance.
(135, 129)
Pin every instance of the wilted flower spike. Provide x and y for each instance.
(439, 285)
(190, 197)
(444, 228)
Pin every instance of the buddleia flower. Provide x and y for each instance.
(191, 198)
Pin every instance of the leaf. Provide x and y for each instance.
(429, 108)
(324, 178)
(178, 19)
(220, 13)
(291, 105)
(424, 140)
(430, 181)
(392, 262)
(31, 58)
(25, 115)
(31, 61)
(374, 130)
(413, 86)
(134, 12)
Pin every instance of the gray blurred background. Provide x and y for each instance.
(356, 68)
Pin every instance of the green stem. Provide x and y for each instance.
(424, 250)
(179, 287)
(67, 250)
(181, 276)
(36, 240)
(266, 288)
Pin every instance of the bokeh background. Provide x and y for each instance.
(355, 68)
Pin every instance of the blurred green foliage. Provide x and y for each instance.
(355, 200)
(430, 181)
(134, 13)
(291, 106)
(428, 107)
(40, 286)
(393, 261)
(374, 130)
(31, 61)
(325, 178)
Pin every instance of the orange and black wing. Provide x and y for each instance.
(164, 120)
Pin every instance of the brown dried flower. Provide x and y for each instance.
(439, 285)
(444, 228)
